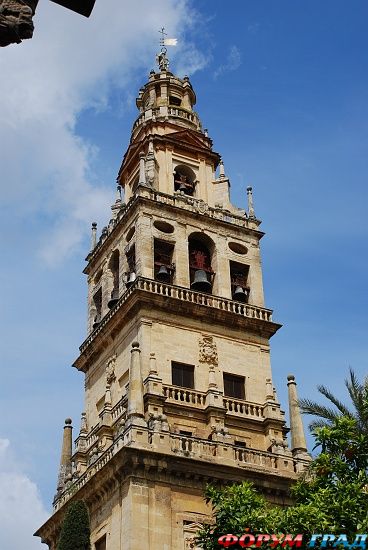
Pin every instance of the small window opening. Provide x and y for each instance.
(173, 100)
(101, 543)
(182, 375)
(163, 265)
(234, 386)
(239, 281)
(241, 444)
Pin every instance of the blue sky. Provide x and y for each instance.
(282, 88)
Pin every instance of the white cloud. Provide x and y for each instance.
(71, 64)
(21, 509)
(233, 62)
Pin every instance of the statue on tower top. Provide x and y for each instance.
(162, 59)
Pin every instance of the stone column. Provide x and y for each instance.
(142, 169)
(298, 442)
(66, 454)
(135, 413)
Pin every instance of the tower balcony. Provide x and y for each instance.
(164, 113)
(172, 451)
(197, 399)
(179, 300)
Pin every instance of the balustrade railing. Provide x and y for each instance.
(186, 295)
(184, 395)
(189, 445)
(242, 408)
(192, 447)
(119, 409)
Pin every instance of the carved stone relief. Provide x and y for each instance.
(208, 351)
(110, 370)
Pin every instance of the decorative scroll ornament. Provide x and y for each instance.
(110, 370)
(208, 351)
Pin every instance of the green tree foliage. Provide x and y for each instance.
(75, 531)
(332, 496)
(326, 415)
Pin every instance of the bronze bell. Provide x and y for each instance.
(240, 294)
(183, 187)
(96, 321)
(114, 298)
(84, 7)
(163, 274)
(200, 282)
(131, 278)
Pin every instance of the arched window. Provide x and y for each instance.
(200, 269)
(114, 270)
(184, 179)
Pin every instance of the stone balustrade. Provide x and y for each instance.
(91, 438)
(119, 409)
(243, 408)
(184, 396)
(196, 448)
(209, 300)
(185, 295)
(165, 111)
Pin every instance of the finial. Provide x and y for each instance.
(118, 194)
(205, 131)
(94, 235)
(83, 425)
(152, 363)
(142, 169)
(222, 169)
(161, 57)
(251, 212)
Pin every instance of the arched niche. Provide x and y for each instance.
(184, 179)
(201, 249)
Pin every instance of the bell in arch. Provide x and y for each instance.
(163, 274)
(200, 281)
(96, 321)
(114, 298)
(240, 294)
(131, 278)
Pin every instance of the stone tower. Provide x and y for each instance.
(178, 383)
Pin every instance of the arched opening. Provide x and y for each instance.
(131, 274)
(114, 270)
(96, 309)
(239, 281)
(201, 273)
(184, 179)
(163, 264)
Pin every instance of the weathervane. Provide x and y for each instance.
(162, 59)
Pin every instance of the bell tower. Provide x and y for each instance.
(178, 382)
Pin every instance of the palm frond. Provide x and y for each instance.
(338, 404)
(356, 392)
(315, 409)
(318, 424)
